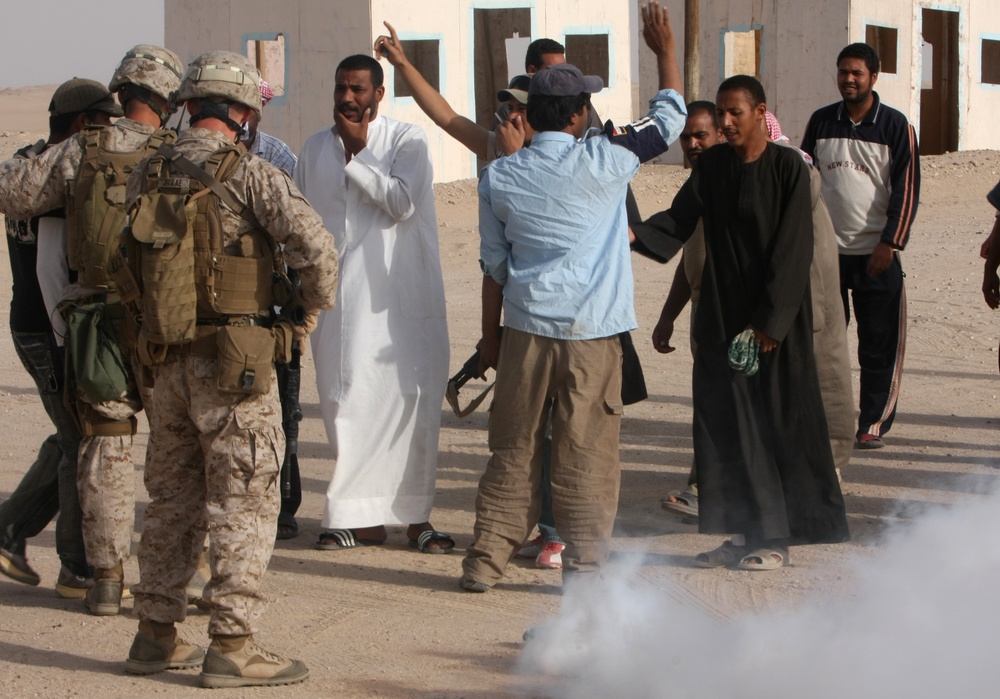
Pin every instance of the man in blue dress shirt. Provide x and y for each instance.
(555, 257)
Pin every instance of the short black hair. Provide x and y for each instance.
(548, 113)
(863, 51)
(748, 84)
(700, 106)
(360, 61)
(533, 56)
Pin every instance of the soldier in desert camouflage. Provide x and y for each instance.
(215, 448)
(146, 82)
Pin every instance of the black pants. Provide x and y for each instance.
(880, 314)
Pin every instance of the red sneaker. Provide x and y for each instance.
(551, 555)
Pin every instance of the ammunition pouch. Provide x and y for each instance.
(245, 359)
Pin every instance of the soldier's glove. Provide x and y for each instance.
(302, 329)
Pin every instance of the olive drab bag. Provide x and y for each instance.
(95, 212)
(98, 365)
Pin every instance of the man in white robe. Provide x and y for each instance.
(381, 354)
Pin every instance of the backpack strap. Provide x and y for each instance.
(175, 157)
(283, 287)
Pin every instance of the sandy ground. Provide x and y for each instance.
(390, 622)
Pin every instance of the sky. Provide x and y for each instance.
(47, 42)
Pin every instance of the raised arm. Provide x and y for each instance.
(465, 131)
(659, 36)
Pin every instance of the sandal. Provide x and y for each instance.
(288, 528)
(726, 555)
(764, 559)
(681, 502)
(336, 539)
(429, 535)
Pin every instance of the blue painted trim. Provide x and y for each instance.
(742, 29)
(442, 65)
(269, 36)
(986, 36)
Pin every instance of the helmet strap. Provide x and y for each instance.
(137, 92)
(217, 110)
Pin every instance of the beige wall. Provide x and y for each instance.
(796, 65)
(452, 21)
(319, 33)
(801, 42)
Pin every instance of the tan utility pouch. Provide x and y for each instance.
(246, 359)
(169, 296)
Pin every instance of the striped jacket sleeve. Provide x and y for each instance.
(905, 195)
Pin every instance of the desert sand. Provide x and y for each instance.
(390, 622)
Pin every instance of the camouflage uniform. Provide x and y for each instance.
(105, 471)
(214, 457)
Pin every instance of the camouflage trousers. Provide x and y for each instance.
(212, 464)
(105, 480)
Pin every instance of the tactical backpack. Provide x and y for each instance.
(95, 211)
(187, 284)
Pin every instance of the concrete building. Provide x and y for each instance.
(461, 46)
(940, 60)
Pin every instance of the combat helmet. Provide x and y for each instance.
(222, 74)
(157, 69)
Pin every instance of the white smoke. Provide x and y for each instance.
(922, 620)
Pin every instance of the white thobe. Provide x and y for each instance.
(381, 354)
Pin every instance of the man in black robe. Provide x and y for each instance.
(766, 470)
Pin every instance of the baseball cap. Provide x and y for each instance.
(82, 95)
(564, 80)
(517, 90)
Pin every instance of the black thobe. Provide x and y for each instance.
(761, 443)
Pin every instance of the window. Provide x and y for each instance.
(884, 41)
(424, 55)
(742, 53)
(269, 57)
(991, 61)
(589, 53)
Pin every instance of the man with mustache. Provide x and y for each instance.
(382, 354)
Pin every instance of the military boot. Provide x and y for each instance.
(105, 597)
(237, 661)
(157, 647)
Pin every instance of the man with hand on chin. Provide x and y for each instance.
(382, 353)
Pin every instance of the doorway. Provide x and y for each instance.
(939, 82)
(492, 28)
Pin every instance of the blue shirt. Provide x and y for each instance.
(553, 229)
(274, 151)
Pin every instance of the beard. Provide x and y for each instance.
(353, 112)
(859, 97)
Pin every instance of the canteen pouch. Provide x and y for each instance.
(245, 360)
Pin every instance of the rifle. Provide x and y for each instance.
(289, 382)
(469, 370)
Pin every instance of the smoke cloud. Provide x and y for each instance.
(921, 619)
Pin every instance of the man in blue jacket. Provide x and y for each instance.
(867, 155)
